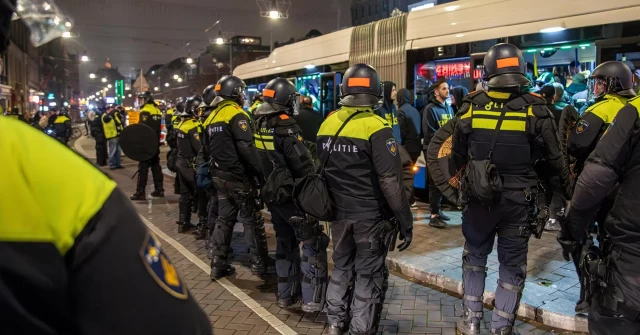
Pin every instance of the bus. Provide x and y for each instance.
(450, 40)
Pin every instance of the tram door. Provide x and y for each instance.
(476, 63)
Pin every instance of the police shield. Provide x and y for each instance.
(440, 163)
(139, 142)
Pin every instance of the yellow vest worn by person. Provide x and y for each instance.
(111, 128)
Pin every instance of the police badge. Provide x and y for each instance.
(243, 125)
(161, 269)
(391, 146)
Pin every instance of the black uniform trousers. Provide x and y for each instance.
(554, 198)
(189, 192)
(236, 200)
(288, 262)
(102, 155)
(623, 276)
(156, 170)
(479, 227)
(357, 286)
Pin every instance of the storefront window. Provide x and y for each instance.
(457, 72)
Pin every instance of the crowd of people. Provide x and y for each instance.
(70, 241)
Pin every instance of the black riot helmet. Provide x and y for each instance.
(180, 103)
(145, 98)
(505, 67)
(614, 76)
(279, 96)
(192, 105)
(361, 87)
(229, 88)
(208, 95)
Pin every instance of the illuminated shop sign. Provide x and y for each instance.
(456, 70)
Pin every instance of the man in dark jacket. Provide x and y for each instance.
(309, 122)
(457, 94)
(388, 110)
(436, 114)
(410, 125)
(97, 131)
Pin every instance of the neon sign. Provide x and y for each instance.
(457, 70)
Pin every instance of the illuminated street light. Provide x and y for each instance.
(104, 80)
(189, 60)
(156, 88)
(84, 58)
(220, 38)
(109, 86)
(166, 84)
(175, 76)
(92, 75)
(274, 14)
(66, 34)
(129, 95)
(179, 80)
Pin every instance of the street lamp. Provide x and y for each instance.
(92, 75)
(274, 14)
(84, 58)
(109, 86)
(175, 76)
(166, 84)
(129, 95)
(66, 34)
(156, 88)
(189, 60)
(104, 80)
(179, 80)
(220, 38)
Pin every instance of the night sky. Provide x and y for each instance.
(136, 34)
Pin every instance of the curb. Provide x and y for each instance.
(77, 145)
(538, 313)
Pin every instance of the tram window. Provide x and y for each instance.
(457, 72)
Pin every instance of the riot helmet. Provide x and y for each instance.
(279, 96)
(145, 98)
(613, 77)
(504, 67)
(180, 104)
(191, 106)
(229, 88)
(361, 87)
(208, 95)
(257, 97)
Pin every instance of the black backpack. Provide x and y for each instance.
(311, 194)
(480, 181)
(278, 188)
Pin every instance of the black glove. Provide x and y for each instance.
(406, 237)
(569, 246)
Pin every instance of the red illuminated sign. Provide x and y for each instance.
(458, 69)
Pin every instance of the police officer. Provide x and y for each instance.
(188, 134)
(62, 128)
(151, 116)
(612, 84)
(97, 131)
(257, 101)
(364, 178)
(616, 305)
(279, 143)
(208, 94)
(171, 119)
(526, 130)
(82, 237)
(228, 145)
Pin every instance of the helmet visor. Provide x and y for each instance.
(597, 87)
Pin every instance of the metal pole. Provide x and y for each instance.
(271, 40)
(230, 58)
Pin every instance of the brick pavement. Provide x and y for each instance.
(410, 307)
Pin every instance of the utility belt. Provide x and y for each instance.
(388, 232)
(535, 220)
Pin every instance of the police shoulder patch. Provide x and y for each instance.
(392, 146)
(161, 269)
(243, 125)
(582, 126)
